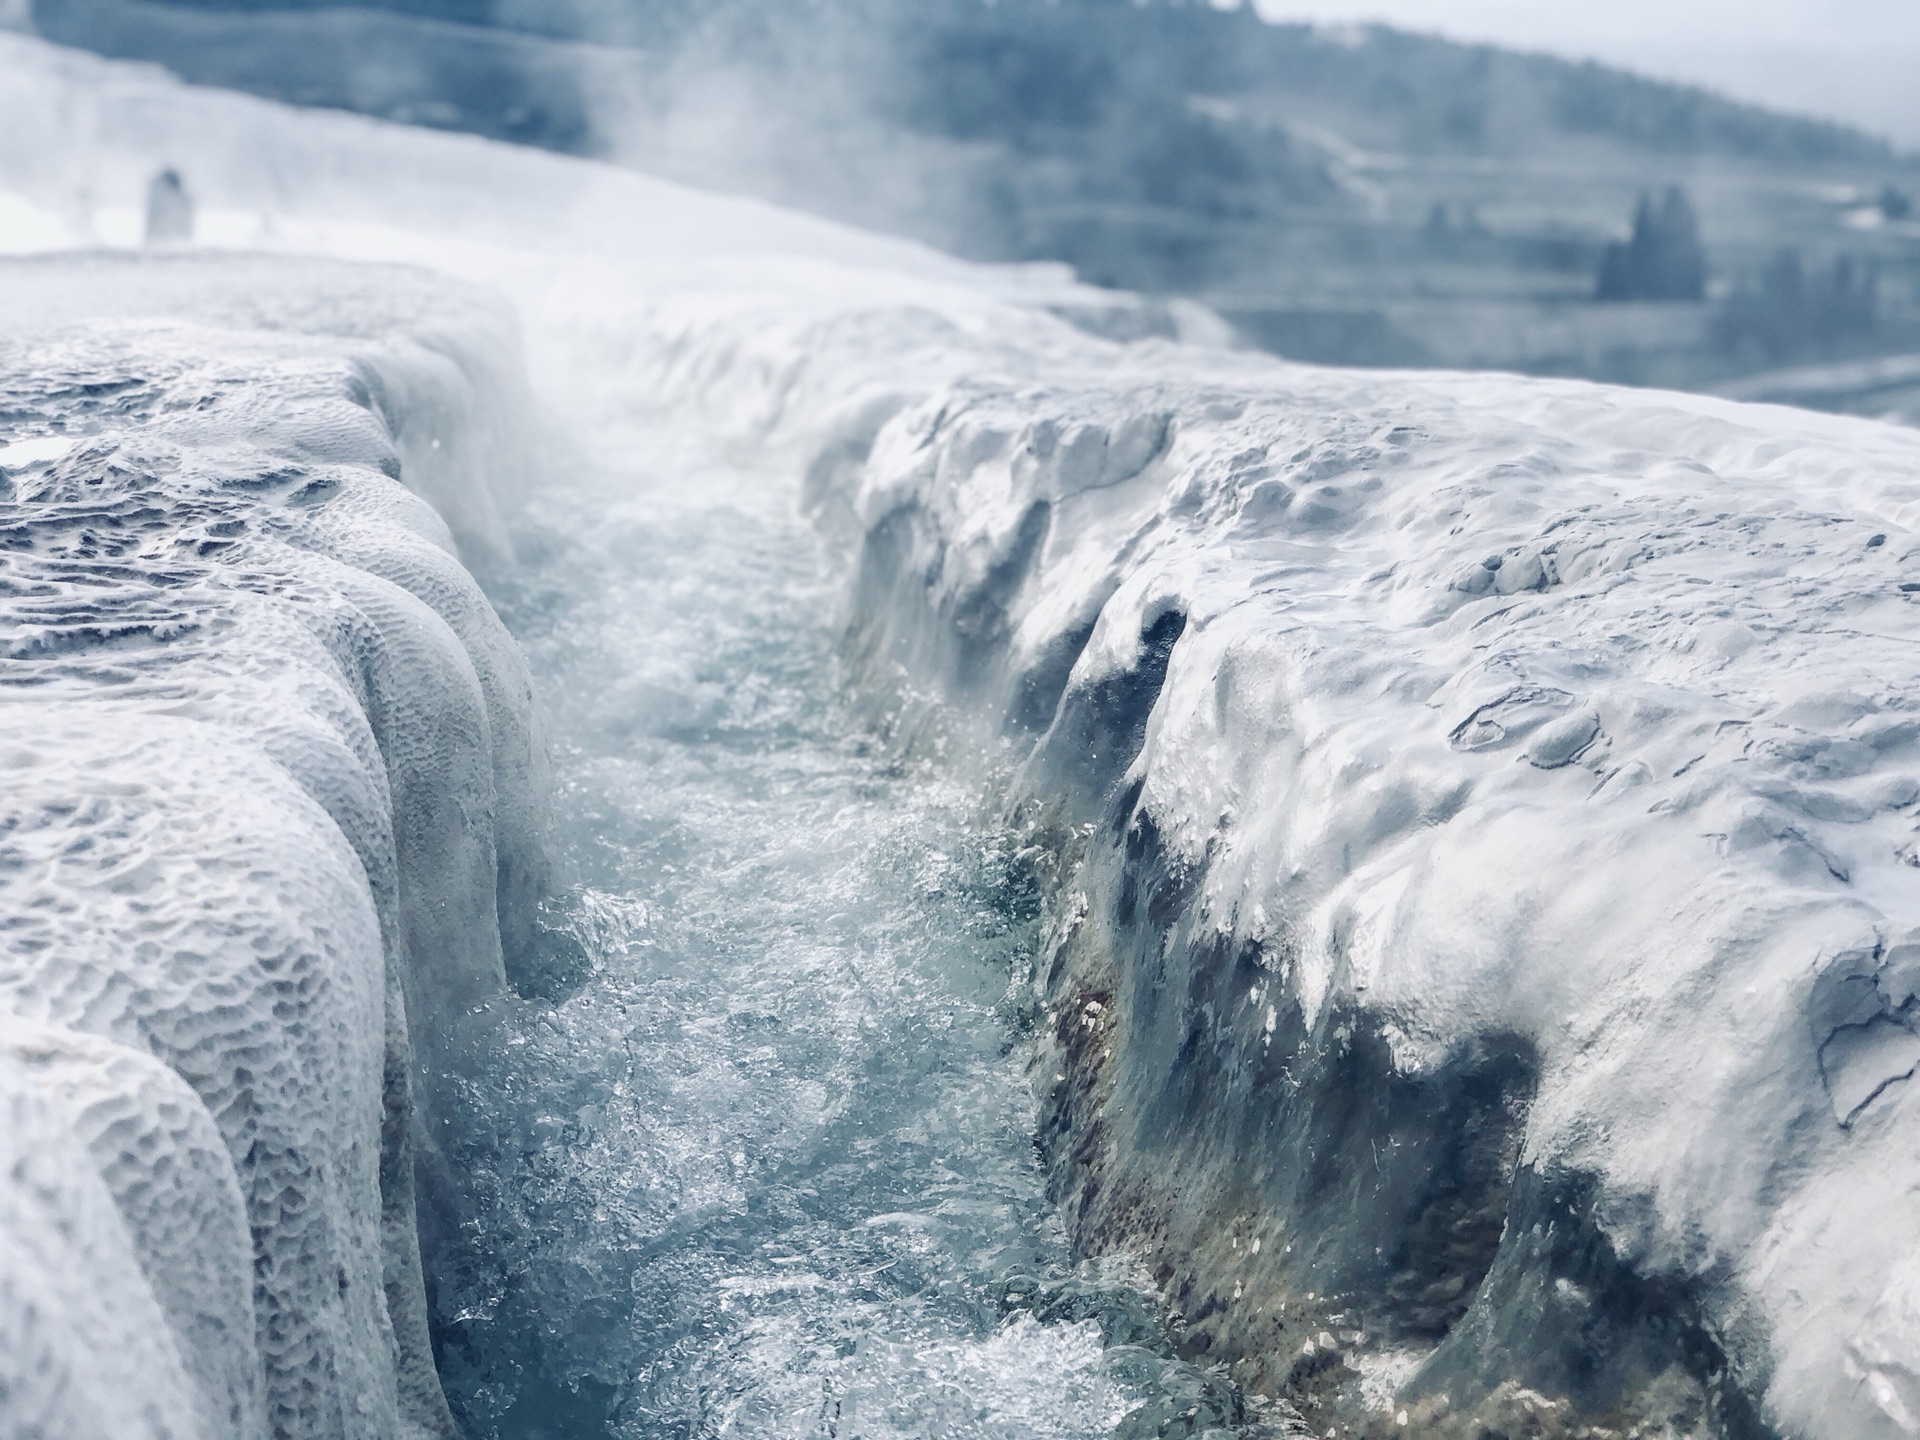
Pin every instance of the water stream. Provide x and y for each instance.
(757, 1160)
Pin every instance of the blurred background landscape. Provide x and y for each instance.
(1338, 192)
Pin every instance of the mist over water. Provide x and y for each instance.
(1341, 194)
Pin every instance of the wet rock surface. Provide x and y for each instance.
(1404, 920)
(273, 779)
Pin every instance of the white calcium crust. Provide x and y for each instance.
(272, 777)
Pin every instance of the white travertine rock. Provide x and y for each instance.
(273, 779)
(154, 1144)
(1495, 803)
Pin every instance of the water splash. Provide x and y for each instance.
(758, 1158)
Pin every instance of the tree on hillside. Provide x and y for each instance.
(1663, 261)
(1794, 312)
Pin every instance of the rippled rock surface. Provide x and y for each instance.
(271, 785)
(1482, 984)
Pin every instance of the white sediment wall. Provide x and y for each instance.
(272, 780)
(1486, 988)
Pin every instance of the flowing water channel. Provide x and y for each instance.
(758, 1159)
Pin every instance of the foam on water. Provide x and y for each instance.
(761, 1163)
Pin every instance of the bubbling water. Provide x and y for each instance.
(755, 1154)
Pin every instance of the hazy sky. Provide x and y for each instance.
(1857, 60)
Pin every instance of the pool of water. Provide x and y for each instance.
(755, 1155)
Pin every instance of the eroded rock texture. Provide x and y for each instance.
(273, 795)
(1480, 979)
(1483, 981)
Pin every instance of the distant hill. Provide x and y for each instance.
(966, 66)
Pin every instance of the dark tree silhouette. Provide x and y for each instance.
(1663, 261)
(1789, 312)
